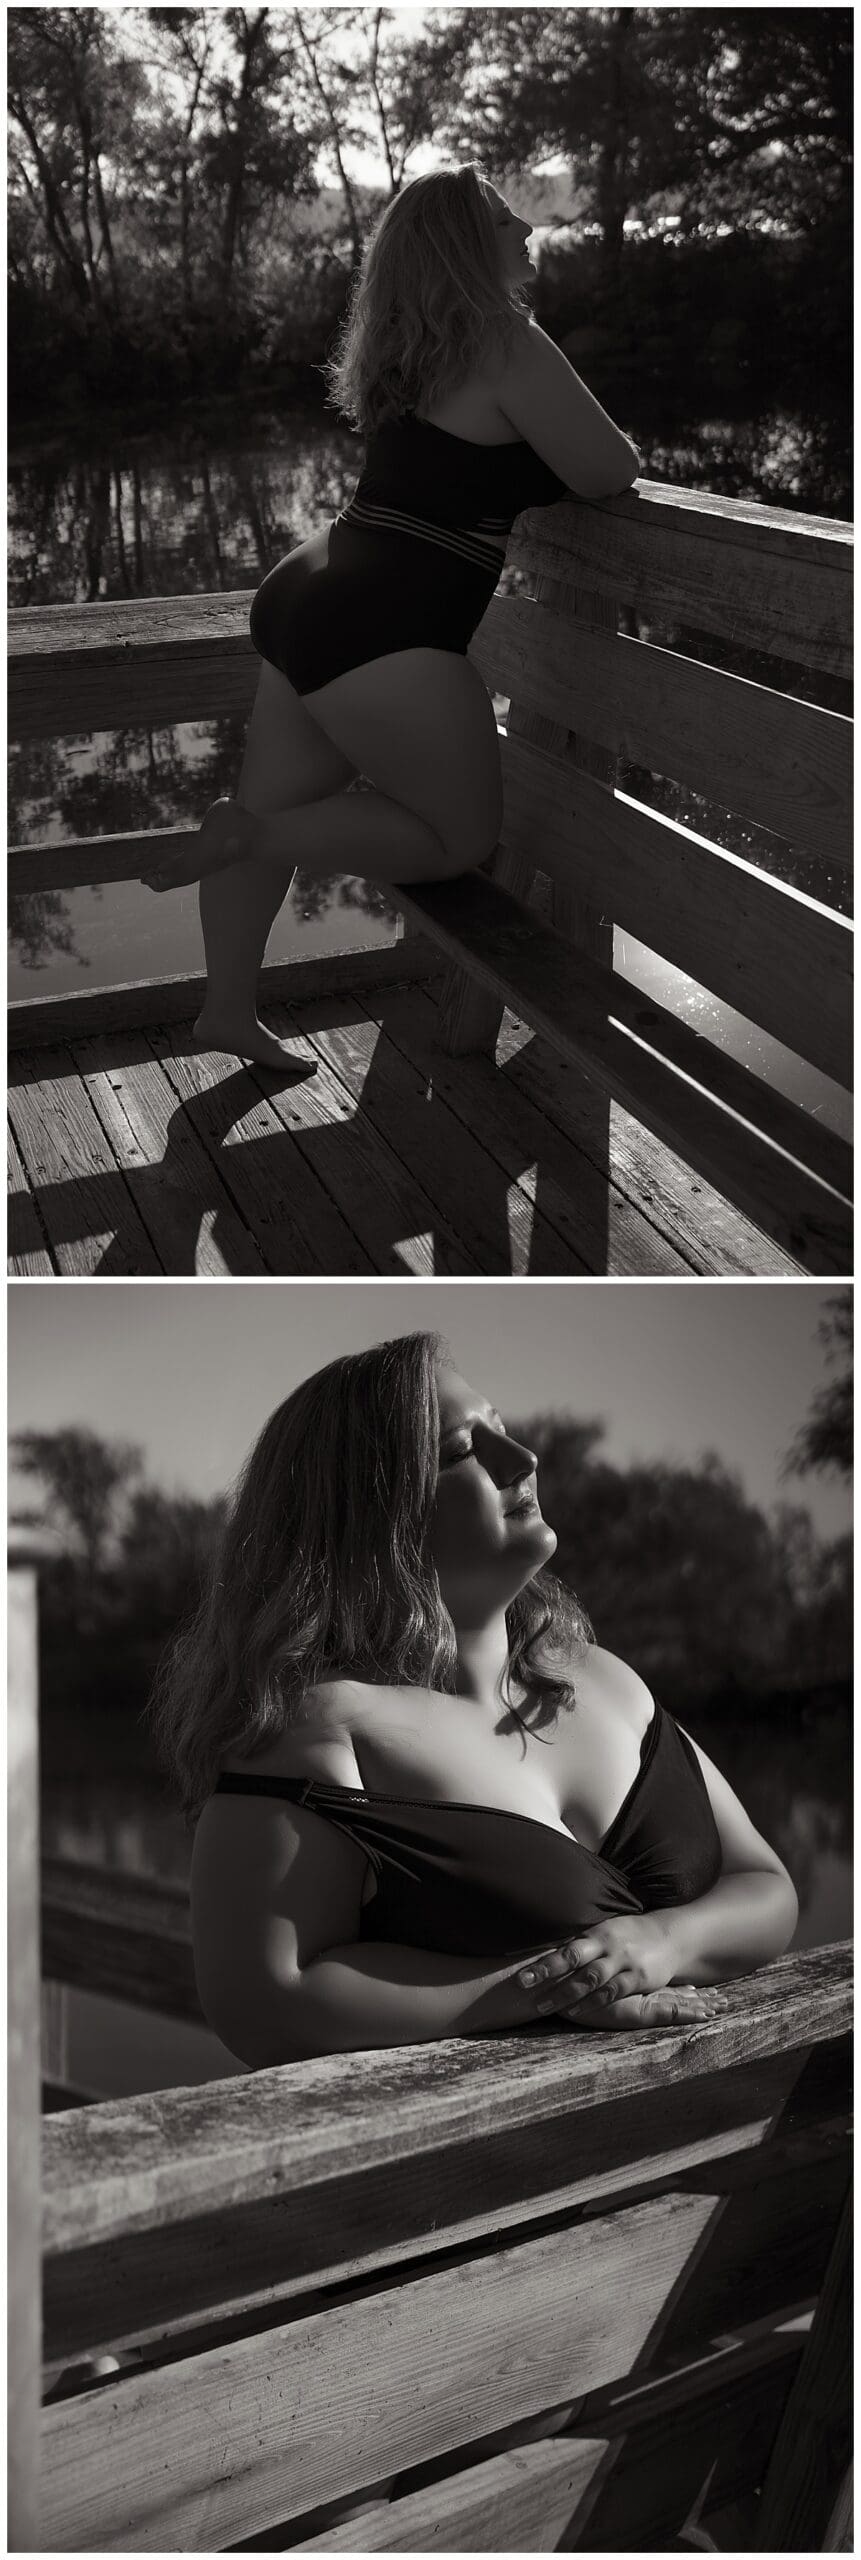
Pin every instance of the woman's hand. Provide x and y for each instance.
(682, 2004)
(618, 1960)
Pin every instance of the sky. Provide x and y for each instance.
(191, 1370)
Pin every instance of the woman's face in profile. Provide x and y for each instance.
(512, 234)
(488, 1537)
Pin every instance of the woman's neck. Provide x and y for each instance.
(482, 1661)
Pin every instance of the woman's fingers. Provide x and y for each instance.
(576, 1968)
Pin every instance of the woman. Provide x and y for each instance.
(427, 1802)
(470, 413)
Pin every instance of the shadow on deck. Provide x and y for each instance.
(132, 1155)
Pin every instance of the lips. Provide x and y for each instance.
(528, 1502)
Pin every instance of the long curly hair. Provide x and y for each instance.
(324, 1571)
(427, 305)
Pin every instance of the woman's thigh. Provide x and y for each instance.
(288, 757)
(420, 724)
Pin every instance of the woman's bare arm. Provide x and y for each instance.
(751, 1913)
(745, 1919)
(282, 1970)
(368, 1994)
(541, 395)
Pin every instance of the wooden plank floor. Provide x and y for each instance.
(131, 1155)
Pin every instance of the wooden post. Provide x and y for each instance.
(469, 1018)
(24, 2091)
(806, 2492)
(55, 2032)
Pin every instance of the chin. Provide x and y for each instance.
(539, 1540)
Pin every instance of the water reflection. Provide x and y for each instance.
(205, 504)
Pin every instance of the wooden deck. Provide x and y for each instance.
(560, 1121)
(131, 1155)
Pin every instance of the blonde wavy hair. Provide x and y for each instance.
(324, 1570)
(427, 306)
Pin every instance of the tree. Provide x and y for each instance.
(85, 1482)
(73, 95)
(701, 114)
(682, 1575)
(824, 1440)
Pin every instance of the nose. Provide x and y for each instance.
(505, 1458)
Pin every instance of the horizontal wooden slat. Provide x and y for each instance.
(775, 955)
(340, 2399)
(636, 2474)
(763, 754)
(765, 577)
(132, 1945)
(75, 669)
(758, 1150)
(40, 1021)
(229, 2142)
(232, 2268)
(520, 2501)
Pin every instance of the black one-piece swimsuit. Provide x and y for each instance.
(467, 1879)
(410, 563)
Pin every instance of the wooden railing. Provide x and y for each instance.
(516, 2292)
(433, 2298)
(586, 699)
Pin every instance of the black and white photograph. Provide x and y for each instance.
(429, 555)
(442, 1799)
(429, 1732)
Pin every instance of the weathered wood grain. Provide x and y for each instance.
(710, 1235)
(777, 581)
(459, 1181)
(148, 662)
(370, 2109)
(42, 1020)
(695, 1098)
(765, 755)
(773, 953)
(811, 2457)
(519, 2501)
(287, 1207)
(126, 1937)
(385, 2381)
(29, 1258)
(23, 2296)
(724, 2133)
(631, 2477)
(183, 1200)
(54, 2018)
(85, 1206)
(570, 1194)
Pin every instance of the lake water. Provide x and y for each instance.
(205, 503)
(791, 1774)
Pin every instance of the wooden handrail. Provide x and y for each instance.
(353, 2114)
(126, 1937)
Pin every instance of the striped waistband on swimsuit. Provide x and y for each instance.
(463, 544)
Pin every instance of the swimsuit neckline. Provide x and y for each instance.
(448, 1804)
(511, 445)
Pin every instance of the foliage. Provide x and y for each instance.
(710, 1598)
(824, 1441)
(170, 226)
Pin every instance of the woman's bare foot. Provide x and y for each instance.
(226, 836)
(250, 1039)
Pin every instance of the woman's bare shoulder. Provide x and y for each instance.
(319, 1738)
(603, 1680)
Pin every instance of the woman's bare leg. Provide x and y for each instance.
(287, 759)
(420, 725)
